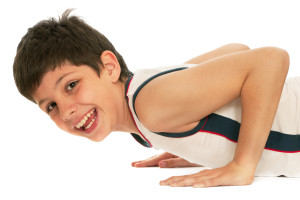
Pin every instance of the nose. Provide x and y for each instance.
(67, 109)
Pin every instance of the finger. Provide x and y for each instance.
(143, 160)
(135, 162)
(171, 180)
(212, 182)
(174, 179)
(190, 180)
(146, 163)
(150, 162)
(176, 162)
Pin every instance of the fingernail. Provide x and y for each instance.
(162, 183)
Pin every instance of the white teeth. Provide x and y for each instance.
(90, 124)
(84, 119)
(77, 126)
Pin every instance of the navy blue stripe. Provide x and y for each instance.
(184, 134)
(127, 85)
(140, 140)
(229, 128)
(223, 126)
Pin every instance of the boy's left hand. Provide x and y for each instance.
(231, 174)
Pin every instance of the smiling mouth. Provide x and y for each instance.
(87, 121)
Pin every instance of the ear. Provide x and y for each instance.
(111, 65)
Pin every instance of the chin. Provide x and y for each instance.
(98, 137)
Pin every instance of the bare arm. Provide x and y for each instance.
(257, 76)
(221, 51)
(179, 162)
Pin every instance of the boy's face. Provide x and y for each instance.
(79, 101)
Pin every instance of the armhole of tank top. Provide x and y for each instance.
(138, 138)
(174, 135)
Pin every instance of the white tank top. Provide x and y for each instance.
(213, 141)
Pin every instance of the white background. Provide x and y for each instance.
(38, 161)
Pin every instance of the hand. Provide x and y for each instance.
(165, 160)
(231, 174)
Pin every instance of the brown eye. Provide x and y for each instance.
(50, 107)
(71, 85)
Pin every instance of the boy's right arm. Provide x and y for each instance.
(221, 51)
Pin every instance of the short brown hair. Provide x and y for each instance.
(50, 43)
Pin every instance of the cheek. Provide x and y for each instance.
(86, 95)
(92, 95)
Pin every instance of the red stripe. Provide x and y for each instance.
(282, 151)
(218, 135)
(133, 117)
(214, 133)
(204, 124)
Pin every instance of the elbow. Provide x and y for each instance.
(237, 47)
(285, 60)
(279, 57)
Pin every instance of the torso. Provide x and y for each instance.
(212, 140)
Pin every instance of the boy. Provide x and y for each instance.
(78, 78)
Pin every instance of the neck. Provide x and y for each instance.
(126, 123)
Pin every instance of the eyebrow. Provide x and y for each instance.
(61, 78)
(56, 84)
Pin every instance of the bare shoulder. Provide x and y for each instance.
(161, 104)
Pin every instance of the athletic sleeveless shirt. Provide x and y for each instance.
(212, 142)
